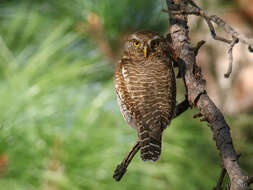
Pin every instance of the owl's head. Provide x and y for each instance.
(144, 44)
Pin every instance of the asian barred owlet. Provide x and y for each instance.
(146, 89)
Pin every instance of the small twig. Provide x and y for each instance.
(122, 167)
(181, 107)
(192, 3)
(199, 45)
(221, 178)
(230, 58)
(213, 33)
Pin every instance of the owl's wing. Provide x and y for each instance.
(126, 103)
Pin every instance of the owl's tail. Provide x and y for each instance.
(151, 141)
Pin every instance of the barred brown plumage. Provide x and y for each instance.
(146, 89)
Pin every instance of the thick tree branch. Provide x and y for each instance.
(197, 96)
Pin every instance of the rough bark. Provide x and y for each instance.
(198, 97)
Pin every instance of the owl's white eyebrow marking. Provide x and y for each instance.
(133, 36)
(156, 37)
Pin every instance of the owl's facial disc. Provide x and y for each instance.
(143, 44)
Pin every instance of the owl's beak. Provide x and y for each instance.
(145, 51)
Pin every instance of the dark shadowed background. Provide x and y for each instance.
(60, 126)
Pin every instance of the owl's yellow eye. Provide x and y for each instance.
(155, 44)
(137, 44)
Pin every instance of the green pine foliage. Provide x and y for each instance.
(60, 126)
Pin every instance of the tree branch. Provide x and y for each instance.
(195, 85)
(221, 178)
(181, 108)
(230, 58)
(199, 45)
(196, 10)
(122, 167)
(191, 8)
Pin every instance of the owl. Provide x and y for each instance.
(146, 89)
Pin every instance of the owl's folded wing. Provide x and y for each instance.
(126, 103)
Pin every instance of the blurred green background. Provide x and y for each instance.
(60, 126)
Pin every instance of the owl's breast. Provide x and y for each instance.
(152, 88)
(147, 79)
